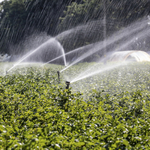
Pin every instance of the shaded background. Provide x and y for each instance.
(25, 24)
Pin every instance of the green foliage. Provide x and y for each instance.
(22, 18)
(82, 12)
(36, 112)
(121, 13)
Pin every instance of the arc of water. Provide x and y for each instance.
(74, 30)
(37, 49)
(73, 51)
(52, 60)
(112, 39)
(97, 72)
(82, 75)
(63, 53)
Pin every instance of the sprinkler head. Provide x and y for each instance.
(58, 76)
(67, 83)
(6, 72)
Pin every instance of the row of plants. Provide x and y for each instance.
(38, 112)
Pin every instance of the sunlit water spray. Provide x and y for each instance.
(63, 52)
(97, 47)
(122, 46)
(100, 46)
(68, 53)
(38, 49)
(107, 68)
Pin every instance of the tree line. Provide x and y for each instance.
(22, 18)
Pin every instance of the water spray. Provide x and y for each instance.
(58, 76)
(67, 83)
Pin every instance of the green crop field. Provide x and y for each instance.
(109, 110)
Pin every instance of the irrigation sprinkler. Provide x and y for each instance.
(67, 83)
(58, 76)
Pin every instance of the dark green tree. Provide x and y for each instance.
(21, 18)
(117, 14)
(12, 23)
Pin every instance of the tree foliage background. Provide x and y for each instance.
(22, 18)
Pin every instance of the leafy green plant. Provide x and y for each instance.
(37, 112)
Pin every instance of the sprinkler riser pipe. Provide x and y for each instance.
(58, 76)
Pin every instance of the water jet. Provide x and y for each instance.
(45, 50)
(124, 38)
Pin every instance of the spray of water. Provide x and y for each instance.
(123, 45)
(68, 53)
(121, 34)
(38, 49)
(107, 68)
(63, 53)
(138, 27)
